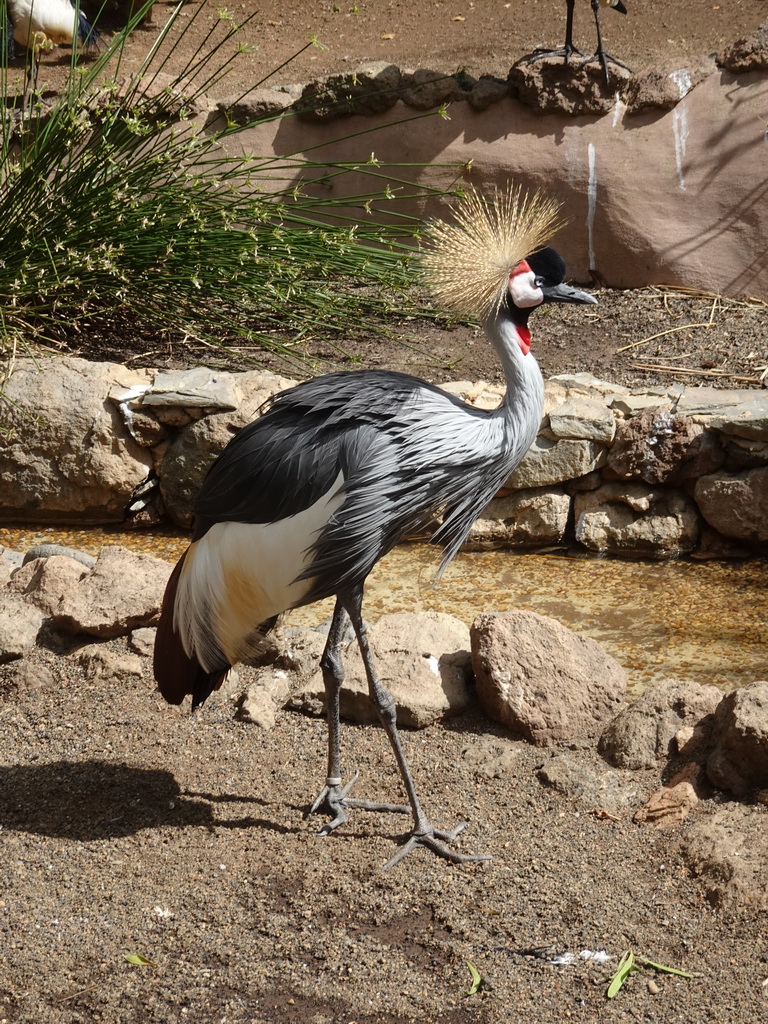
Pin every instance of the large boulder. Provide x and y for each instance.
(541, 680)
(65, 454)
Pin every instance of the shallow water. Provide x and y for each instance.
(705, 621)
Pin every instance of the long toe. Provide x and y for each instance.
(435, 840)
(334, 800)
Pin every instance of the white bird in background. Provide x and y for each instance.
(39, 25)
(42, 24)
(304, 501)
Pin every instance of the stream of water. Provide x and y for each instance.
(706, 621)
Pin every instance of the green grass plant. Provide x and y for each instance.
(117, 209)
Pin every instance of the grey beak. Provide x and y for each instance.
(564, 293)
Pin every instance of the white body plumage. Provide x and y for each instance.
(38, 24)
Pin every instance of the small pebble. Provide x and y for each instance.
(653, 988)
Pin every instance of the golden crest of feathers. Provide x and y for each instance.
(466, 263)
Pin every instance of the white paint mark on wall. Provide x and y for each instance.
(591, 203)
(684, 83)
(618, 110)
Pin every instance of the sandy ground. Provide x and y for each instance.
(130, 827)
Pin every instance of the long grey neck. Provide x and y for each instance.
(523, 403)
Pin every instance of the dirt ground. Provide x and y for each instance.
(130, 827)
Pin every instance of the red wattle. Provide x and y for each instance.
(525, 339)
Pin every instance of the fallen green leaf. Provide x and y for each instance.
(660, 967)
(139, 961)
(629, 963)
(477, 981)
(620, 975)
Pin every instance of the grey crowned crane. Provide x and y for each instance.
(304, 501)
(569, 49)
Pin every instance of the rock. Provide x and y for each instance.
(29, 677)
(254, 106)
(100, 664)
(747, 419)
(65, 454)
(122, 592)
(491, 757)
(645, 731)
(735, 504)
(142, 641)
(524, 519)
(552, 462)
(45, 581)
(10, 560)
(739, 758)
(747, 54)
(20, 623)
(729, 850)
(259, 703)
(700, 161)
(662, 87)
(198, 388)
(424, 90)
(424, 661)
(660, 446)
(671, 805)
(189, 456)
(541, 680)
(742, 453)
(486, 91)
(602, 791)
(550, 86)
(581, 417)
(636, 521)
(372, 89)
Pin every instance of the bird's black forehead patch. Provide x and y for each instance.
(549, 264)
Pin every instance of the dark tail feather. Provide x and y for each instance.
(89, 37)
(176, 673)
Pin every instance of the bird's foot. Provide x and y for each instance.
(334, 800)
(566, 53)
(435, 839)
(604, 59)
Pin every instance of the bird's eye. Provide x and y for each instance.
(538, 281)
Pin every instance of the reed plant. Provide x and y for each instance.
(117, 208)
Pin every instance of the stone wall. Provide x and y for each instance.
(662, 177)
(655, 474)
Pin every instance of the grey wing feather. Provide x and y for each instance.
(407, 452)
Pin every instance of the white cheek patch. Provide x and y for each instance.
(523, 290)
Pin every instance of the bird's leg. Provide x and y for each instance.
(568, 49)
(600, 54)
(423, 834)
(334, 796)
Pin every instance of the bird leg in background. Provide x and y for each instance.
(333, 796)
(569, 49)
(423, 834)
(600, 54)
